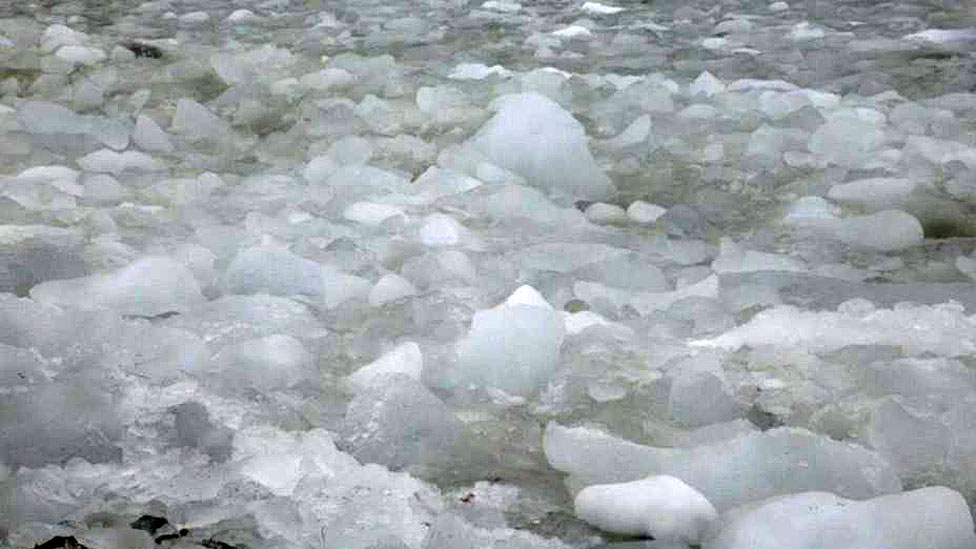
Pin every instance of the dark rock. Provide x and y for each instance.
(575, 306)
(149, 523)
(143, 50)
(61, 542)
(215, 544)
(763, 419)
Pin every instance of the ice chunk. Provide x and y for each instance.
(573, 31)
(600, 9)
(847, 139)
(269, 363)
(150, 286)
(877, 193)
(437, 182)
(380, 115)
(447, 106)
(644, 213)
(778, 105)
(805, 31)
(513, 347)
(628, 270)
(887, 231)
(915, 445)
(88, 94)
(195, 121)
(51, 118)
(398, 422)
(943, 36)
(46, 421)
(478, 71)
(752, 84)
(661, 507)
(576, 323)
(811, 210)
(339, 286)
(371, 214)
(30, 254)
(513, 202)
(390, 288)
(527, 295)
(274, 271)
(360, 181)
(149, 136)
(194, 18)
(714, 43)
(967, 266)
(441, 230)
(733, 258)
(328, 79)
(534, 137)
(242, 16)
(405, 359)
(160, 354)
(731, 472)
(564, 257)
(502, 6)
(645, 303)
(349, 151)
(706, 84)
(777, 7)
(699, 112)
(940, 151)
(184, 191)
(942, 330)
(56, 36)
(279, 460)
(637, 133)
(735, 25)
(602, 213)
(236, 318)
(934, 518)
(700, 395)
(767, 145)
(59, 177)
(112, 162)
(81, 55)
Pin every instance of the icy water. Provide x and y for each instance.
(416, 274)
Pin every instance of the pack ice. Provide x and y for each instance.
(293, 274)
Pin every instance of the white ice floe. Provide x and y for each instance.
(600, 9)
(662, 507)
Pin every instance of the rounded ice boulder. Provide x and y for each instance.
(886, 231)
(662, 507)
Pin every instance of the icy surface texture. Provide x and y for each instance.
(292, 273)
